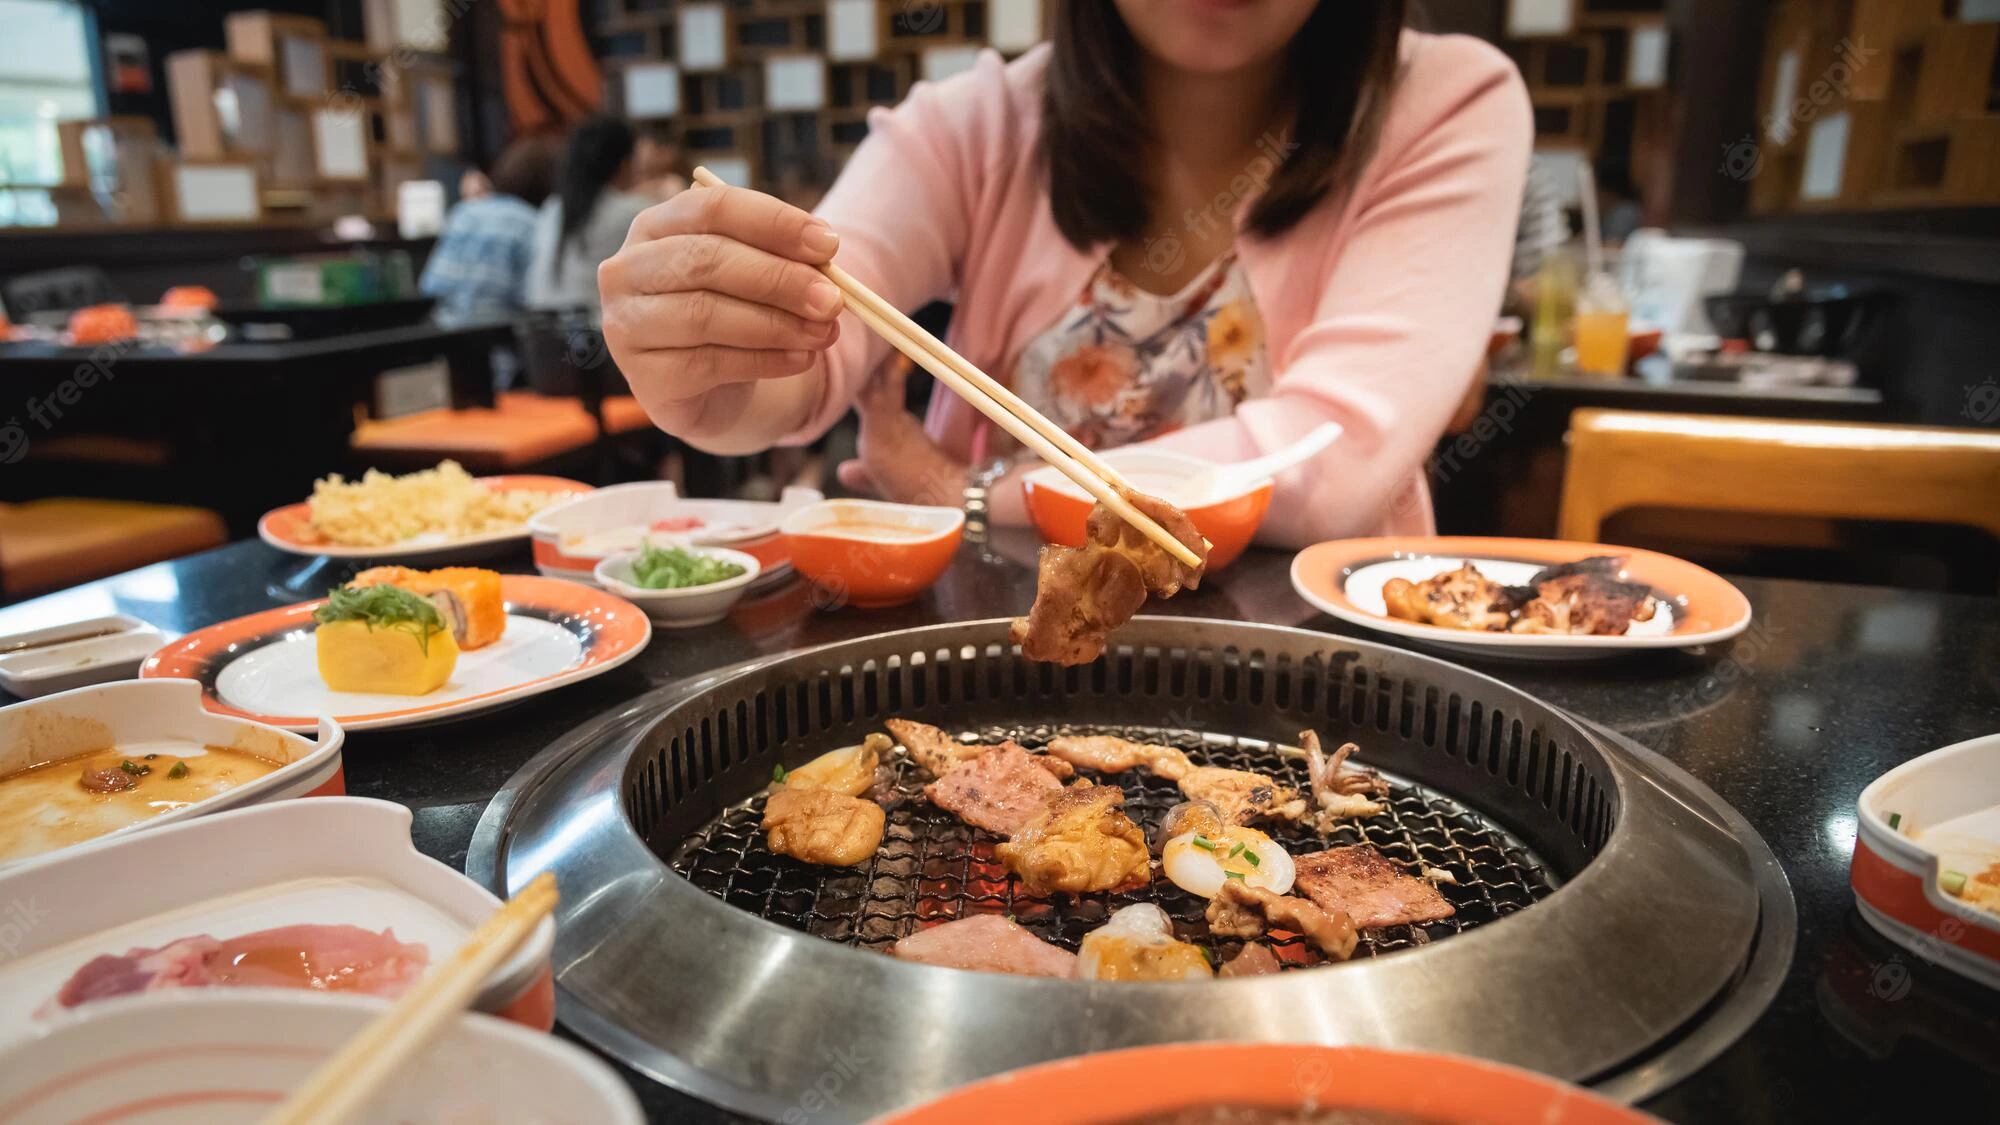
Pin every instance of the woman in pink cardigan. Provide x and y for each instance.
(1206, 225)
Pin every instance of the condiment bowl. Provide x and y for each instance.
(686, 606)
(1061, 509)
(870, 553)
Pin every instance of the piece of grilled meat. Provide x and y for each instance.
(1107, 754)
(1456, 599)
(1369, 888)
(1080, 841)
(1243, 797)
(821, 826)
(1240, 910)
(1082, 593)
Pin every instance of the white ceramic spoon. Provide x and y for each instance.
(1231, 480)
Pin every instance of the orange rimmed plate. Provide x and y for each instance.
(289, 528)
(265, 667)
(1152, 1081)
(1345, 578)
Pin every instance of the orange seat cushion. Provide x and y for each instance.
(46, 544)
(107, 449)
(624, 415)
(516, 433)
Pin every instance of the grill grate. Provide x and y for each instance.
(934, 868)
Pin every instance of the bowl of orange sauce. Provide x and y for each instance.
(870, 553)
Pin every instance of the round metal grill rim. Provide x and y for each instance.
(710, 1012)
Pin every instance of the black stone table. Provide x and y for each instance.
(1831, 686)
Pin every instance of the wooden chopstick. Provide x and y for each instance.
(1029, 426)
(345, 1082)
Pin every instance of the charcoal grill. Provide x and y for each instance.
(1615, 922)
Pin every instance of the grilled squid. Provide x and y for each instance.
(1200, 863)
(1138, 943)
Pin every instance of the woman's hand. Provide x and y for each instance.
(898, 461)
(713, 306)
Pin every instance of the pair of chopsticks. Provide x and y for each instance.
(345, 1082)
(1028, 426)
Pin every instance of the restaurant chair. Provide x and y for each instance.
(521, 432)
(56, 542)
(1624, 461)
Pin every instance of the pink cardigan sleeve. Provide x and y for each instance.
(1404, 309)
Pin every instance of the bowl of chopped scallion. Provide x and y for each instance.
(679, 587)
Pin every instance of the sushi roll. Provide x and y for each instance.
(467, 597)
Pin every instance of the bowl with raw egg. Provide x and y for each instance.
(870, 553)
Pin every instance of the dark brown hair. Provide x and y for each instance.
(1340, 68)
(527, 168)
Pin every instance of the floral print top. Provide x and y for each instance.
(1124, 365)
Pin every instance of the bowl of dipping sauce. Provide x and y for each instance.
(870, 553)
(1061, 508)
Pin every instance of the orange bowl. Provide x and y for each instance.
(1145, 1081)
(1060, 508)
(869, 553)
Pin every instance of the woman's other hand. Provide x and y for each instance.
(898, 461)
(713, 306)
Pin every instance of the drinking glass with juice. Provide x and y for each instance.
(1602, 319)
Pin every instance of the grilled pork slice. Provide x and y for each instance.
(1586, 604)
(1255, 959)
(1116, 755)
(824, 827)
(1000, 790)
(986, 943)
(1081, 594)
(1080, 841)
(1243, 797)
(938, 752)
(1240, 910)
(1369, 888)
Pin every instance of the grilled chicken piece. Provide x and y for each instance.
(1116, 755)
(1369, 888)
(1255, 959)
(932, 748)
(1080, 841)
(1457, 599)
(1340, 793)
(1163, 574)
(1586, 603)
(1243, 797)
(938, 752)
(1082, 593)
(1240, 910)
(1000, 790)
(986, 943)
(821, 826)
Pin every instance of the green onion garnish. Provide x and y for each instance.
(1232, 875)
(134, 768)
(1204, 843)
(1895, 819)
(778, 775)
(383, 607)
(1953, 882)
(676, 569)
(1254, 861)
(180, 770)
(1235, 851)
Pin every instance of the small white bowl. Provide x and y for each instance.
(687, 606)
(227, 1057)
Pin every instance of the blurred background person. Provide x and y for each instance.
(658, 164)
(584, 222)
(478, 269)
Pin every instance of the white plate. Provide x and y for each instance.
(265, 666)
(1345, 578)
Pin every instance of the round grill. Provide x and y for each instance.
(932, 867)
(1602, 905)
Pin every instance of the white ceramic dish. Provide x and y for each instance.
(571, 538)
(1928, 816)
(265, 666)
(687, 607)
(228, 1058)
(332, 861)
(150, 716)
(42, 661)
